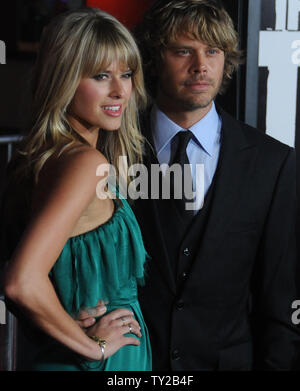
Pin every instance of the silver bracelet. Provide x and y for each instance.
(102, 351)
(101, 342)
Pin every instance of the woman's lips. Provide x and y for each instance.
(113, 110)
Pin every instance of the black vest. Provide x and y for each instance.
(181, 239)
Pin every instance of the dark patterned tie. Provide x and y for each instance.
(181, 158)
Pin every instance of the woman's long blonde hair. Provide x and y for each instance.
(75, 45)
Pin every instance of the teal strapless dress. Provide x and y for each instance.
(105, 263)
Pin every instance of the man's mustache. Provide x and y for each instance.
(198, 79)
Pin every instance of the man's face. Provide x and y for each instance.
(190, 75)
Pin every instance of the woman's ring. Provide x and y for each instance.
(130, 327)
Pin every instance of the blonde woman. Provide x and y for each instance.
(79, 250)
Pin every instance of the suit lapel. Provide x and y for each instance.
(237, 159)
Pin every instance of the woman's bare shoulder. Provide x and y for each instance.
(80, 155)
(72, 175)
(79, 161)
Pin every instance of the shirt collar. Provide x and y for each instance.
(205, 131)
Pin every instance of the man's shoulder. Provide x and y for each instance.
(254, 135)
(145, 123)
(145, 115)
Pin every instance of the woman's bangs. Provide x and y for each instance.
(112, 50)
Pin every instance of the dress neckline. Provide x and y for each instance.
(118, 205)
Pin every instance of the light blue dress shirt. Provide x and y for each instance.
(203, 149)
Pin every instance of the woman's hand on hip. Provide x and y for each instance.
(113, 326)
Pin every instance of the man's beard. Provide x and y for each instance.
(190, 103)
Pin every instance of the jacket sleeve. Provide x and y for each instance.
(275, 278)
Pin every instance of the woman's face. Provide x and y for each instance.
(100, 100)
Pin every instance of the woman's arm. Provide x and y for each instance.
(67, 190)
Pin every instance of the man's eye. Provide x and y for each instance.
(212, 51)
(100, 76)
(183, 52)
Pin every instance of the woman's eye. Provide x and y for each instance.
(127, 75)
(100, 76)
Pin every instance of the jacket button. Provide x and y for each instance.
(186, 252)
(175, 355)
(180, 305)
(184, 275)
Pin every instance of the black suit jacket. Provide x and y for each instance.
(233, 308)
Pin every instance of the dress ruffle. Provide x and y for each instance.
(105, 263)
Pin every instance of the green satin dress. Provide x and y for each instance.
(105, 263)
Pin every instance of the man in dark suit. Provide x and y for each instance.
(221, 279)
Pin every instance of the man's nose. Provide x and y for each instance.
(199, 64)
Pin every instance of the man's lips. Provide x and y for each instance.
(197, 85)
